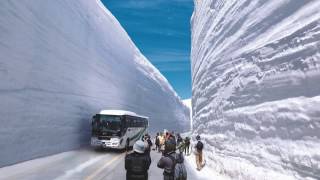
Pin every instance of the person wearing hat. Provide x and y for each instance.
(198, 153)
(138, 162)
(157, 142)
(147, 143)
(162, 140)
(187, 145)
(170, 160)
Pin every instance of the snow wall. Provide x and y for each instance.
(60, 63)
(256, 86)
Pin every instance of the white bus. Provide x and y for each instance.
(117, 129)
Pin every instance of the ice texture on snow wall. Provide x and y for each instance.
(60, 63)
(256, 86)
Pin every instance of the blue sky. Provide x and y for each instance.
(161, 30)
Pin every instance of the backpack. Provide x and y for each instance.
(149, 143)
(199, 146)
(179, 169)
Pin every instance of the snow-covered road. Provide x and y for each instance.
(85, 164)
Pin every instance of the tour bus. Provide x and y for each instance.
(117, 129)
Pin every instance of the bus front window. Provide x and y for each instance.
(110, 123)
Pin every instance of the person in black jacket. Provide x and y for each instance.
(199, 153)
(187, 145)
(137, 163)
(166, 162)
(179, 139)
(157, 142)
(147, 144)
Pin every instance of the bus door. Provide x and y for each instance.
(129, 132)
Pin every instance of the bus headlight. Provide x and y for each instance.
(114, 140)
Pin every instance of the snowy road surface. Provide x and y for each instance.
(85, 164)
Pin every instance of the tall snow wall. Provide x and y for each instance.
(62, 61)
(256, 86)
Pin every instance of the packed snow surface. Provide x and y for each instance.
(256, 86)
(188, 103)
(60, 63)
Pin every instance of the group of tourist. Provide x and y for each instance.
(138, 162)
(183, 145)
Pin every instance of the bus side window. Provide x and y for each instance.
(123, 122)
(145, 123)
(128, 121)
(132, 122)
(136, 123)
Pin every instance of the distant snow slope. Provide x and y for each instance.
(256, 86)
(61, 62)
(188, 103)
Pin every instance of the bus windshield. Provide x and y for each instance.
(110, 123)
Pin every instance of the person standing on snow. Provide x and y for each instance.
(162, 140)
(187, 145)
(172, 134)
(199, 154)
(167, 136)
(180, 143)
(147, 144)
(179, 139)
(181, 147)
(157, 142)
(172, 162)
(137, 163)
